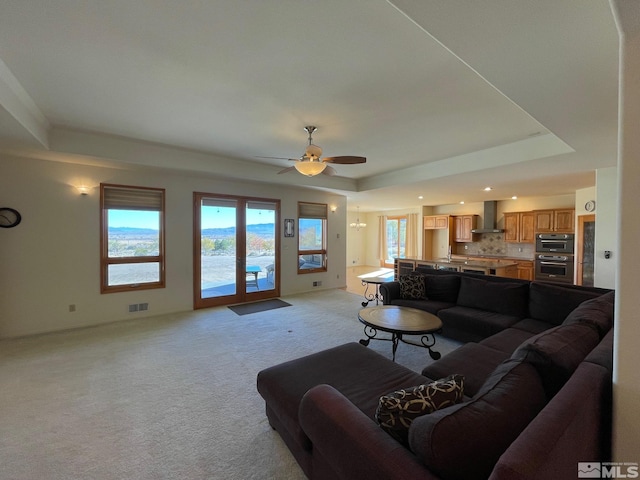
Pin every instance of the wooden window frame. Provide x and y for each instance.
(315, 211)
(106, 261)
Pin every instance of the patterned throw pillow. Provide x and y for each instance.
(412, 287)
(397, 410)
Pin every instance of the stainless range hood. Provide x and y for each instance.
(490, 214)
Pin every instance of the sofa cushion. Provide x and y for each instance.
(500, 297)
(557, 353)
(597, 312)
(507, 340)
(474, 361)
(533, 326)
(430, 306)
(443, 288)
(412, 286)
(397, 410)
(471, 324)
(465, 441)
(552, 303)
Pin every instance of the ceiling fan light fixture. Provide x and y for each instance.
(310, 169)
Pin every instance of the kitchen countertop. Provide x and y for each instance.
(476, 263)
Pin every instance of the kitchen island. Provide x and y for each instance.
(500, 268)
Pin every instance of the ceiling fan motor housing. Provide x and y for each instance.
(313, 152)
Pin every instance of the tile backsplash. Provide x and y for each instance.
(494, 244)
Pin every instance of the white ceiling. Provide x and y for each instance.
(443, 98)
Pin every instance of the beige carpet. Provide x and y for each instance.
(168, 397)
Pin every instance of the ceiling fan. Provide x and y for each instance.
(310, 163)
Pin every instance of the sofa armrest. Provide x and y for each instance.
(389, 291)
(353, 444)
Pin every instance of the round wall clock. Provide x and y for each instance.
(9, 217)
(590, 206)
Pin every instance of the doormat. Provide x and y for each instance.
(261, 306)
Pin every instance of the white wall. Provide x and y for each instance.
(51, 260)
(357, 239)
(606, 227)
(626, 387)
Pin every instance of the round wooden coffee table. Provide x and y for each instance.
(400, 321)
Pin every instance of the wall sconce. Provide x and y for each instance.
(83, 190)
(333, 208)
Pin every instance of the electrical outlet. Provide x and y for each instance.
(72, 307)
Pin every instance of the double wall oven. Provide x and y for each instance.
(554, 257)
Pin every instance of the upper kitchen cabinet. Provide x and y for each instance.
(463, 226)
(519, 227)
(439, 235)
(561, 220)
(435, 222)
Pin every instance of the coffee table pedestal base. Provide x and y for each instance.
(426, 341)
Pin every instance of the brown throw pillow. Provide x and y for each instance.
(397, 410)
(412, 287)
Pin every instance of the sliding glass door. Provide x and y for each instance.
(236, 245)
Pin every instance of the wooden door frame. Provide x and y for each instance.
(383, 262)
(241, 296)
(582, 219)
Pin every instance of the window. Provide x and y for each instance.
(132, 238)
(312, 237)
(396, 238)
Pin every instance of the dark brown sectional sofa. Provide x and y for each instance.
(537, 367)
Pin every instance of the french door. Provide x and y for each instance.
(236, 249)
(396, 232)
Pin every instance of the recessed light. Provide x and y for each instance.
(462, 202)
(420, 197)
(514, 197)
(487, 189)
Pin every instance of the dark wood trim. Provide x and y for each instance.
(582, 219)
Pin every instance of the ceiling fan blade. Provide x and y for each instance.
(329, 171)
(285, 170)
(280, 158)
(345, 160)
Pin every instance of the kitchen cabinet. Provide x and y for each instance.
(559, 220)
(463, 226)
(519, 227)
(435, 222)
(439, 235)
(525, 270)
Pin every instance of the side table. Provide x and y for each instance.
(376, 281)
